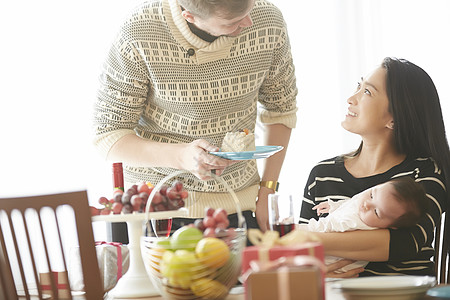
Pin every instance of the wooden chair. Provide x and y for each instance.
(33, 234)
(442, 250)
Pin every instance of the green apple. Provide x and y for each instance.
(186, 238)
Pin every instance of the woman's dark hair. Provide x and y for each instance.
(412, 196)
(419, 129)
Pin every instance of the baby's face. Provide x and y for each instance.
(378, 206)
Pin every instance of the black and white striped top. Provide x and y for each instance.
(410, 249)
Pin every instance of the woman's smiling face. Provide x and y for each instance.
(368, 112)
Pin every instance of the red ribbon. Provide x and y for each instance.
(298, 260)
(59, 286)
(119, 255)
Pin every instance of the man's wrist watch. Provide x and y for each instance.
(270, 184)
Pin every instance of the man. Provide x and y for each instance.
(179, 76)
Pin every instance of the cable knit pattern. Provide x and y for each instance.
(150, 86)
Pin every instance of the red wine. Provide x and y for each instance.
(282, 228)
(161, 227)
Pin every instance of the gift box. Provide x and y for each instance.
(113, 262)
(264, 254)
(299, 277)
(59, 280)
(286, 283)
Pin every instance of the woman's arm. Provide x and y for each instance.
(370, 245)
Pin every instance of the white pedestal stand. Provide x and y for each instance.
(136, 283)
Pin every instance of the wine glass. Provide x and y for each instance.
(281, 213)
(158, 227)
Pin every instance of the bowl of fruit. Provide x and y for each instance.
(201, 260)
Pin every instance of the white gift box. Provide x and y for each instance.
(113, 262)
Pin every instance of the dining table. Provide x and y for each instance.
(237, 293)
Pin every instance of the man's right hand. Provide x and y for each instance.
(195, 158)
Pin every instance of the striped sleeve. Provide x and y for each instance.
(324, 183)
(407, 243)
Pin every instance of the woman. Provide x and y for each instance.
(397, 113)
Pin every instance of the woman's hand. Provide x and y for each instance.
(195, 158)
(332, 268)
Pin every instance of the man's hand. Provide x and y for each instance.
(195, 158)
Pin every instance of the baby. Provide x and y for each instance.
(400, 202)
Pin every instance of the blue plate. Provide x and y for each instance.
(260, 152)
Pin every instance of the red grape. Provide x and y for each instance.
(221, 211)
(209, 232)
(223, 224)
(172, 204)
(199, 224)
(172, 193)
(126, 197)
(136, 202)
(127, 208)
(117, 207)
(183, 194)
(209, 211)
(94, 211)
(117, 191)
(117, 197)
(143, 195)
(160, 207)
(178, 185)
(105, 211)
(143, 187)
(209, 222)
(163, 190)
(157, 199)
(220, 216)
(103, 200)
(164, 200)
(181, 203)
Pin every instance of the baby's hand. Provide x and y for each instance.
(322, 208)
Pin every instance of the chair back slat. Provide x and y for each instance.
(30, 251)
(442, 250)
(18, 255)
(6, 283)
(34, 243)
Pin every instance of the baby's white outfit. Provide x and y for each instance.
(342, 216)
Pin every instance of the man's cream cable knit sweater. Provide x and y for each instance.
(152, 87)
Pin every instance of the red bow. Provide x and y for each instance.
(119, 255)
